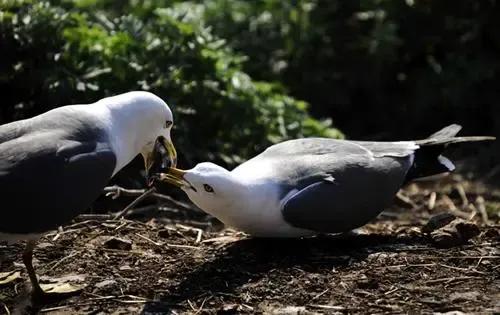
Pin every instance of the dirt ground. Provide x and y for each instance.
(173, 261)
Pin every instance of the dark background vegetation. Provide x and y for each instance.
(241, 75)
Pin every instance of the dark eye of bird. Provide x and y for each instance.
(168, 123)
(208, 188)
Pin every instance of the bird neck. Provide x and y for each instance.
(251, 207)
(126, 133)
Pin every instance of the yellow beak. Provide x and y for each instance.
(175, 177)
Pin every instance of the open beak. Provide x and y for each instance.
(160, 160)
(175, 177)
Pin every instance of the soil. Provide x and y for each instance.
(174, 261)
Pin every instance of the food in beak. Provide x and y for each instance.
(161, 159)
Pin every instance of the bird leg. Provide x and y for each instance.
(39, 295)
(28, 262)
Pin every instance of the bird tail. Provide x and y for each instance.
(428, 160)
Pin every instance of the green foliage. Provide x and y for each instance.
(60, 52)
(421, 63)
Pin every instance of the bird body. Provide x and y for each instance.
(315, 185)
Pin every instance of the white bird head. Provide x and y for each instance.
(141, 122)
(209, 186)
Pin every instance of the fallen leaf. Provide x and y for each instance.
(8, 277)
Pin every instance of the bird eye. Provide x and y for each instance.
(168, 123)
(208, 188)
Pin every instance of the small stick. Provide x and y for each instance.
(482, 210)
(201, 307)
(63, 259)
(462, 269)
(133, 203)
(191, 305)
(463, 196)
(448, 280)
(117, 191)
(182, 246)
(199, 232)
(319, 295)
(391, 291)
(148, 239)
(405, 200)
(328, 307)
(432, 200)
(460, 257)
(199, 235)
(453, 209)
(6, 308)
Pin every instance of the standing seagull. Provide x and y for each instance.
(53, 166)
(308, 186)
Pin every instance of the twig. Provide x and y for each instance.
(202, 304)
(6, 308)
(148, 239)
(462, 269)
(328, 307)
(460, 257)
(182, 246)
(432, 200)
(133, 203)
(482, 210)
(67, 231)
(199, 232)
(191, 305)
(405, 200)
(319, 295)
(117, 191)
(120, 226)
(199, 235)
(90, 218)
(63, 259)
(453, 209)
(391, 291)
(463, 196)
(451, 279)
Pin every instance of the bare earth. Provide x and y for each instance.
(171, 267)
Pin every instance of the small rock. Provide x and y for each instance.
(165, 233)
(118, 243)
(438, 221)
(125, 268)
(229, 309)
(492, 233)
(105, 283)
(467, 230)
(455, 233)
(287, 310)
(368, 283)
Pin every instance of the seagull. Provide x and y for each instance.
(309, 186)
(54, 165)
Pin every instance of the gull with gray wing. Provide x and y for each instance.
(53, 166)
(314, 185)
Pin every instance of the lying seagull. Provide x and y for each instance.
(53, 166)
(308, 186)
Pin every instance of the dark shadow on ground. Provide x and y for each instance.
(249, 260)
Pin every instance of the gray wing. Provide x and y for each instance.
(49, 175)
(335, 185)
(320, 146)
(353, 194)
